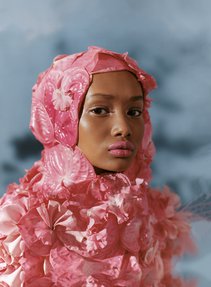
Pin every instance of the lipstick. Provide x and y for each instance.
(121, 149)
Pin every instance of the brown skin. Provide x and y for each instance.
(112, 113)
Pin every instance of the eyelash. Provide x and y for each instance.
(135, 110)
(98, 111)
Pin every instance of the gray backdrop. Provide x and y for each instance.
(169, 38)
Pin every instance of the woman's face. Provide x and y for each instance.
(111, 126)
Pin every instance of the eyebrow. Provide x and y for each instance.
(108, 96)
(137, 98)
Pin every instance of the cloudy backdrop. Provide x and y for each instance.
(169, 38)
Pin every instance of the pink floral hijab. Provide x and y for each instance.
(59, 93)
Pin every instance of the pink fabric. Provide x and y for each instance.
(104, 231)
(63, 225)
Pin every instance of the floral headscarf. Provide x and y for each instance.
(60, 91)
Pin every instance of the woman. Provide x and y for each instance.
(84, 215)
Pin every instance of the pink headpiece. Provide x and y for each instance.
(60, 90)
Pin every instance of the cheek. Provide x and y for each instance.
(91, 131)
(139, 131)
(86, 127)
(84, 132)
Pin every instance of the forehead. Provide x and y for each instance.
(118, 83)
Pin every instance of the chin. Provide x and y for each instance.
(120, 167)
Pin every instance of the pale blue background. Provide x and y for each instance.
(169, 38)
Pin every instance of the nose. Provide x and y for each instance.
(121, 127)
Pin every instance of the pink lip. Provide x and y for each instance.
(121, 149)
(122, 145)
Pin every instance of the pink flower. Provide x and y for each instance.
(131, 272)
(62, 167)
(55, 104)
(97, 239)
(119, 204)
(31, 177)
(14, 205)
(76, 81)
(132, 243)
(41, 125)
(68, 267)
(71, 269)
(44, 225)
(61, 100)
(102, 239)
(10, 215)
(36, 270)
(12, 277)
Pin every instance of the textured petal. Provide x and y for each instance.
(67, 267)
(75, 80)
(12, 279)
(41, 125)
(10, 216)
(132, 243)
(62, 166)
(41, 227)
(14, 245)
(61, 100)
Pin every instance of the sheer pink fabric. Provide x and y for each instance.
(63, 225)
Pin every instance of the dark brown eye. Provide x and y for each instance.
(99, 111)
(134, 113)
